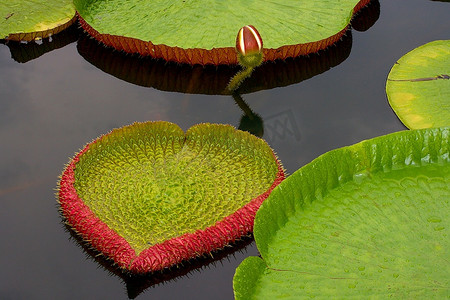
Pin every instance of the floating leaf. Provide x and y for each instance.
(184, 31)
(149, 196)
(22, 20)
(368, 220)
(418, 86)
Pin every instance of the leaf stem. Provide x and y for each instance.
(237, 79)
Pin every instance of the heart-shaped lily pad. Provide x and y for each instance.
(204, 32)
(149, 196)
(418, 86)
(29, 20)
(365, 221)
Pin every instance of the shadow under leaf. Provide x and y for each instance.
(211, 80)
(25, 52)
(137, 283)
(366, 17)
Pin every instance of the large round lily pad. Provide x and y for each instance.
(22, 20)
(418, 86)
(368, 220)
(149, 195)
(204, 32)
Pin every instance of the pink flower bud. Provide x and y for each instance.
(248, 41)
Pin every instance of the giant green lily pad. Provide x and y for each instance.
(418, 86)
(368, 220)
(149, 195)
(204, 32)
(29, 20)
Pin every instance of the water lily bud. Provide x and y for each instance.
(249, 46)
(248, 41)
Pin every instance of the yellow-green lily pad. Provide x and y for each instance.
(418, 86)
(25, 20)
(369, 220)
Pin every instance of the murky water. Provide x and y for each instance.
(52, 105)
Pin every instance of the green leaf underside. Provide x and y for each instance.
(211, 24)
(418, 86)
(366, 220)
(26, 16)
(149, 185)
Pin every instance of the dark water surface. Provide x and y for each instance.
(53, 105)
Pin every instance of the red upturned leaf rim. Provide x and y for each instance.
(163, 255)
(215, 56)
